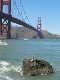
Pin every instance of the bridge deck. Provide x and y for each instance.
(17, 21)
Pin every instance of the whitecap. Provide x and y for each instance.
(3, 66)
(3, 43)
(7, 67)
(3, 63)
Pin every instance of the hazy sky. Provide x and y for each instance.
(48, 10)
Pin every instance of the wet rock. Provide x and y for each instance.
(35, 67)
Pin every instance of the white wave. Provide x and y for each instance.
(3, 63)
(3, 43)
(17, 69)
(6, 67)
(3, 66)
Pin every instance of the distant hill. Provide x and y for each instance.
(50, 35)
(23, 33)
(26, 33)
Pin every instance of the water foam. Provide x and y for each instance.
(3, 43)
(4, 77)
(8, 78)
(3, 66)
(6, 67)
(3, 63)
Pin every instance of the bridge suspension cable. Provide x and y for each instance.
(24, 11)
(18, 9)
(21, 11)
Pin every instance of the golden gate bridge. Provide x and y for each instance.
(7, 18)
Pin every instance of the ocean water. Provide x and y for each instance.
(12, 53)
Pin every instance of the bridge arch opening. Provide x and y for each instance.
(5, 25)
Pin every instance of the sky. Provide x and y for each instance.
(48, 10)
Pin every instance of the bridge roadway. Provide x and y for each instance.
(17, 21)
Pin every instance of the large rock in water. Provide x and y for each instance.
(35, 67)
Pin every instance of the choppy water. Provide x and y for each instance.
(12, 53)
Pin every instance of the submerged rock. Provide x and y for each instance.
(35, 67)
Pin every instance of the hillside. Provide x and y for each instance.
(50, 35)
(26, 33)
(23, 33)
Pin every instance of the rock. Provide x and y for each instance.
(35, 67)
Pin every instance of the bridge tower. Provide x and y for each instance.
(39, 24)
(5, 25)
